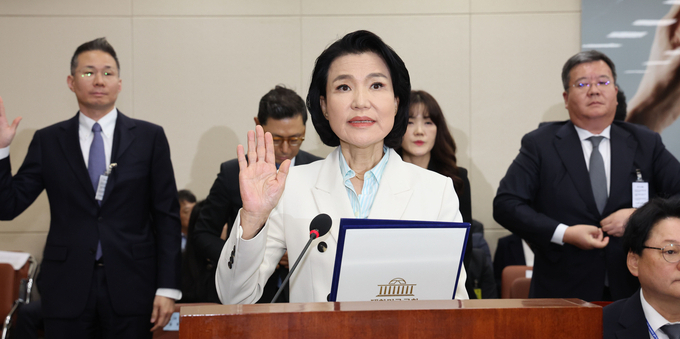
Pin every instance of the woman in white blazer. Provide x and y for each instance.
(359, 100)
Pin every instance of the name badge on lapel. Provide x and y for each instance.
(640, 191)
(103, 179)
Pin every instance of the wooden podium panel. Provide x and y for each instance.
(491, 318)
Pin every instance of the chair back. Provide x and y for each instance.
(509, 275)
(520, 288)
(8, 290)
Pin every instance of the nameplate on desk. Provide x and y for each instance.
(386, 260)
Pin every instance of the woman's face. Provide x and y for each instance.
(360, 104)
(420, 133)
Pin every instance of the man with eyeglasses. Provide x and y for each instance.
(652, 241)
(574, 184)
(111, 262)
(283, 114)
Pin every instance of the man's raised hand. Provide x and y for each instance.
(7, 131)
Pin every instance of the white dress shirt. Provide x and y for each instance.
(4, 152)
(85, 134)
(655, 320)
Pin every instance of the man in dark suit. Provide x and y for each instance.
(111, 262)
(569, 192)
(651, 239)
(283, 114)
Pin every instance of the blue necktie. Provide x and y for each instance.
(598, 178)
(96, 166)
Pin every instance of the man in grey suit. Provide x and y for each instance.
(570, 190)
(283, 114)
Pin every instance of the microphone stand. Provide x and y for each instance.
(312, 236)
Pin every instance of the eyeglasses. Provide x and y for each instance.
(586, 85)
(91, 74)
(292, 141)
(670, 252)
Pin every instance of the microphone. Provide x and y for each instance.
(319, 226)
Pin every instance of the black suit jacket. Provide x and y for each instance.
(464, 197)
(137, 222)
(548, 184)
(625, 319)
(222, 206)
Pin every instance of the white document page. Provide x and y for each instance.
(381, 264)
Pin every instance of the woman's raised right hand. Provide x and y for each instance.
(260, 183)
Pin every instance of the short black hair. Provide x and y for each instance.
(582, 58)
(642, 221)
(281, 103)
(99, 44)
(357, 43)
(186, 195)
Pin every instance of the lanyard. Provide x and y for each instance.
(651, 331)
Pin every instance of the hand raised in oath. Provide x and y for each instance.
(261, 184)
(7, 131)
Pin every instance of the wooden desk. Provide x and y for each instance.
(491, 318)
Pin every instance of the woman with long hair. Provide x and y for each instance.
(429, 144)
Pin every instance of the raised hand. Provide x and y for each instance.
(7, 131)
(260, 183)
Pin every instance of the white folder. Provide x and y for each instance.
(383, 260)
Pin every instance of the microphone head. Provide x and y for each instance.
(320, 225)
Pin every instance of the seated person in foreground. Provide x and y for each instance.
(358, 99)
(652, 241)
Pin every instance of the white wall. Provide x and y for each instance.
(198, 68)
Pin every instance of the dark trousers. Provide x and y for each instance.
(99, 320)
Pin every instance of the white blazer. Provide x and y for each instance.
(406, 191)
